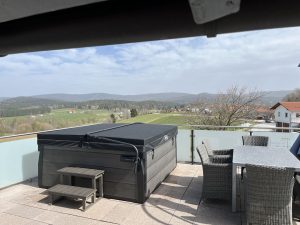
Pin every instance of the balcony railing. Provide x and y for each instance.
(19, 157)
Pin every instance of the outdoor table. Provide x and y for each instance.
(261, 156)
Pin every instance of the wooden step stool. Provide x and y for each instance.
(83, 193)
(61, 190)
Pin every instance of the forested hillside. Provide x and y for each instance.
(22, 106)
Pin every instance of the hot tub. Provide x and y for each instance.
(136, 157)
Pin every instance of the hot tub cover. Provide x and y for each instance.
(137, 134)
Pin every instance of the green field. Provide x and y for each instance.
(68, 118)
(164, 118)
(56, 119)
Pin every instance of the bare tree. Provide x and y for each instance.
(234, 104)
(293, 97)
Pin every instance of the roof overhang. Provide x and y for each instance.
(275, 106)
(17, 9)
(125, 21)
(290, 106)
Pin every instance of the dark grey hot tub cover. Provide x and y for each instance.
(139, 137)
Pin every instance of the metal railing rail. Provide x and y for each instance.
(239, 127)
(194, 127)
(39, 132)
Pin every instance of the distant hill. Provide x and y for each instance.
(3, 98)
(20, 106)
(277, 94)
(23, 101)
(175, 97)
(269, 98)
(168, 97)
(272, 97)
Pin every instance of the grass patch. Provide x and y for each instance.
(148, 118)
(163, 118)
(54, 120)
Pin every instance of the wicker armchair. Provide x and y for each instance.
(211, 151)
(217, 176)
(296, 190)
(255, 140)
(269, 195)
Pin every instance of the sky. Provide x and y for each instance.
(265, 60)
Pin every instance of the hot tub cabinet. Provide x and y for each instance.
(136, 157)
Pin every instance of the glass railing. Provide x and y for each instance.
(223, 139)
(19, 153)
(18, 161)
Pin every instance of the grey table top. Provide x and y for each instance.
(265, 156)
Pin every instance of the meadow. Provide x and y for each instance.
(69, 117)
(163, 118)
(56, 119)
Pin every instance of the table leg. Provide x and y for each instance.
(61, 179)
(234, 168)
(50, 198)
(84, 204)
(101, 186)
(94, 198)
(94, 184)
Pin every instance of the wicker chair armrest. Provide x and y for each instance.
(221, 171)
(297, 178)
(222, 151)
(218, 165)
(221, 158)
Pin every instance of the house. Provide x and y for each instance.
(263, 113)
(287, 114)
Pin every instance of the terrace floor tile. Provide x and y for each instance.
(176, 201)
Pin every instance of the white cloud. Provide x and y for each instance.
(263, 59)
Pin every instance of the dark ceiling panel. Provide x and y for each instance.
(120, 21)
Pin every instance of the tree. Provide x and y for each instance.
(133, 112)
(234, 104)
(293, 97)
(2, 127)
(113, 118)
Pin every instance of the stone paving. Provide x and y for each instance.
(176, 201)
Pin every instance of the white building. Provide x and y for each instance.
(287, 114)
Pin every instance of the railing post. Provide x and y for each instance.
(192, 146)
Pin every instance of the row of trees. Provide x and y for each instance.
(133, 113)
(11, 112)
(294, 96)
(21, 106)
